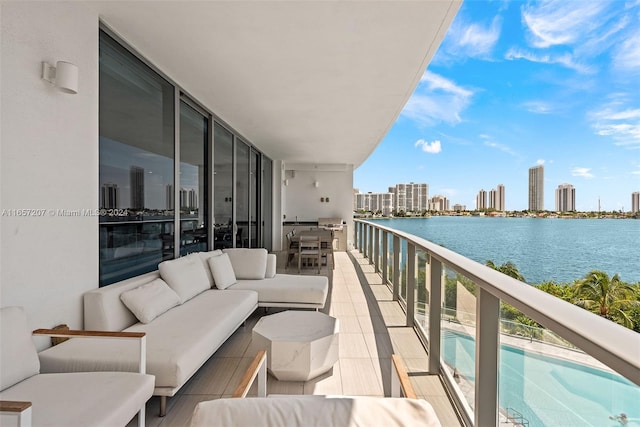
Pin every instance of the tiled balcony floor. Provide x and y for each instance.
(371, 329)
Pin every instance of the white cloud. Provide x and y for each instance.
(472, 39)
(538, 107)
(540, 162)
(583, 172)
(620, 123)
(561, 22)
(433, 147)
(437, 100)
(627, 54)
(490, 143)
(566, 59)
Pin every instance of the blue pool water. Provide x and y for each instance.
(550, 391)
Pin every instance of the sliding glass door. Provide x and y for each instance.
(192, 194)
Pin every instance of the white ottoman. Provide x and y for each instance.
(300, 345)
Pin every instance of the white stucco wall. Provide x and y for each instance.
(302, 199)
(48, 161)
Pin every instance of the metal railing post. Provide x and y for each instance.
(385, 257)
(376, 249)
(435, 312)
(487, 359)
(396, 268)
(370, 245)
(411, 283)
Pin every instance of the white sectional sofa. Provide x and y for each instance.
(188, 309)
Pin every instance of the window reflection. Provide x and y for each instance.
(136, 148)
(223, 187)
(193, 172)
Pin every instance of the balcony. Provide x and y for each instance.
(372, 327)
(499, 371)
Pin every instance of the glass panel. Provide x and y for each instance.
(422, 293)
(458, 348)
(222, 187)
(193, 173)
(242, 195)
(403, 270)
(549, 383)
(136, 158)
(254, 199)
(267, 203)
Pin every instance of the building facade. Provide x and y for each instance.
(565, 198)
(635, 201)
(536, 188)
(439, 203)
(481, 200)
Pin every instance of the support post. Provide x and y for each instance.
(376, 249)
(385, 258)
(370, 235)
(487, 359)
(435, 312)
(396, 268)
(411, 283)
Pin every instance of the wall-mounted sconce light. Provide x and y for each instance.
(316, 184)
(321, 199)
(285, 182)
(326, 199)
(64, 76)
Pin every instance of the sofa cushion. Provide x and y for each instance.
(272, 261)
(185, 275)
(302, 411)
(248, 263)
(18, 355)
(149, 301)
(222, 271)
(288, 288)
(83, 398)
(178, 342)
(204, 257)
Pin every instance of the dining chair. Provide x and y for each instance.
(309, 247)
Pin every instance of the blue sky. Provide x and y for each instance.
(515, 84)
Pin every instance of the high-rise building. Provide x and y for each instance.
(499, 203)
(169, 197)
(565, 198)
(136, 182)
(188, 198)
(481, 200)
(536, 188)
(109, 196)
(635, 201)
(458, 207)
(439, 203)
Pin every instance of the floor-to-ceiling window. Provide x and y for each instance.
(148, 190)
(267, 203)
(223, 187)
(136, 149)
(194, 139)
(242, 199)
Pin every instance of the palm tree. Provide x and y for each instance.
(608, 297)
(507, 268)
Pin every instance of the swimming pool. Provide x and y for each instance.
(549, 391)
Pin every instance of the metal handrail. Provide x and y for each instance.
(610, 343)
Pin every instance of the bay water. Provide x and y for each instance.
(543, 249)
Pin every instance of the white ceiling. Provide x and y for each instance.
(305, 81)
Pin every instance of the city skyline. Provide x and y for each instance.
(515, 85)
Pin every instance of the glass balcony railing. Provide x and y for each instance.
(577, 369)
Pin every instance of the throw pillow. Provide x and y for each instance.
(204, 257)
(185, 275)
(149, 301)
(222, 271)
(250, 264)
